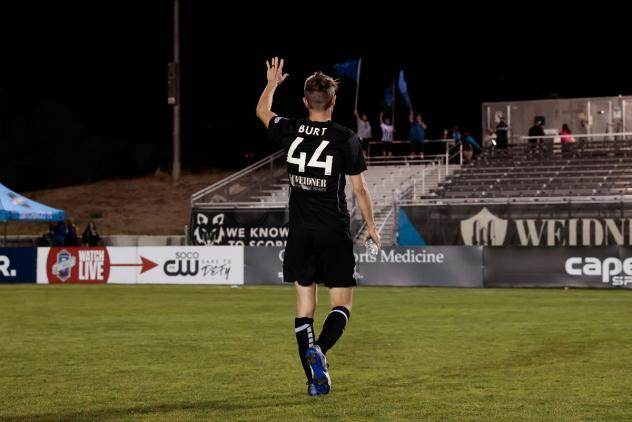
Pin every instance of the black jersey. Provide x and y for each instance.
(319, 155)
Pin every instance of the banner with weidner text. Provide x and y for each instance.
(594, 224)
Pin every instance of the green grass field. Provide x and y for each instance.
(219, 353)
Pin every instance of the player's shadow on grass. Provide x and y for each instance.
(210, 405)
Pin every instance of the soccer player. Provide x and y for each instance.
(319, 247)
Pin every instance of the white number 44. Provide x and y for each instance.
(313, 162)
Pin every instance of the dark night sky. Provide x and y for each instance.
(105, 64)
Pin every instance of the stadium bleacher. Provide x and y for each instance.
(589, 169)
(264, 185)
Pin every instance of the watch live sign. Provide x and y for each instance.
(78, 265)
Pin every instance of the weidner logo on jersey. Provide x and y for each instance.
(308, 183)
(78, 265)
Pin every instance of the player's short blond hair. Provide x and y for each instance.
(319, 91)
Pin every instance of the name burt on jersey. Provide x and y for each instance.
(310, 130)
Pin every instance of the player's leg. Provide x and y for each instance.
(298, 269)
(336, 269)
(306, 299)
(340, 299)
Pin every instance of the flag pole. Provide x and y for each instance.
(358, 84)
(393, 108)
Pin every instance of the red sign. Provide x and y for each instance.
(78, 265)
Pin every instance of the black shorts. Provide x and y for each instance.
(418, 147)
(319, 256)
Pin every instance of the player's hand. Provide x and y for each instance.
(275, 71)
(373, 234)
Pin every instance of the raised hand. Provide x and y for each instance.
(275, 71)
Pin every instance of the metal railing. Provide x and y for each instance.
(358, 234)
(390, 212)
(238, 189)
(520, 200)
(589, 137)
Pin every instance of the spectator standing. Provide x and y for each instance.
(417, 133)
(536, 130)
(566, 139)
(59, 235)
(502, 130)
(363, 130)
(387, 135)
(456, 134)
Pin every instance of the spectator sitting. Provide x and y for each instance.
(90, 235)
(47, 238)
(470, 146)
(446, 134)
(71, 235)
(490, 140)
(469, 139)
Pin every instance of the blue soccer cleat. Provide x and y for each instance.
(320, 374)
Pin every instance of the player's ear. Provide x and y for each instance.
(305, 102)
(333, 101)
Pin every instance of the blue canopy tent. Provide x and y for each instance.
(15, 207)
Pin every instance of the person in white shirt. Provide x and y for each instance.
(363, 130)
(387, 135)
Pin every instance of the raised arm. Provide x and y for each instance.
(275, 78)
(363, 199)
(381, 117)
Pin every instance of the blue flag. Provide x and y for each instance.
(348, 69)
(388, 97)
(403, 87)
